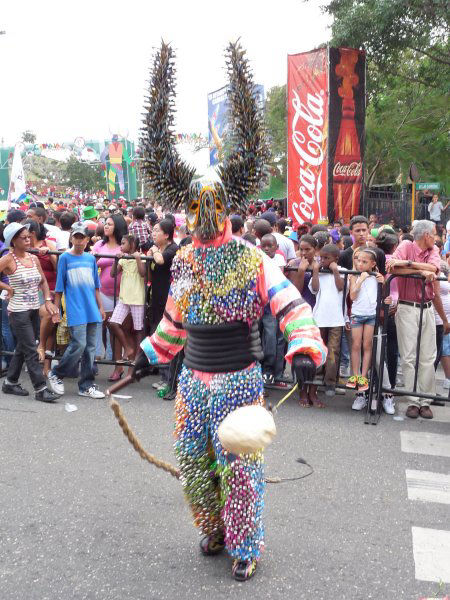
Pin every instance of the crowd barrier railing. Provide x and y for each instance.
(376, 388)
(115, 361)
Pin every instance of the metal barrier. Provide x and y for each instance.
(374, 404)
(115, 361)
(376, 389)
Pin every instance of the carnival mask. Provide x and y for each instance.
(240, 174)
(206, 210)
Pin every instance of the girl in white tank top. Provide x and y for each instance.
(363, 293)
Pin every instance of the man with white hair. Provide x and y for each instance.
(420, 257)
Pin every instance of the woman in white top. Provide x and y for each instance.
(363, 293)
(25, 277)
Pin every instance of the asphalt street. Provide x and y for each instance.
(82, 516)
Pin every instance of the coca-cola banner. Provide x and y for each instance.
(346, 132)
(307, 115)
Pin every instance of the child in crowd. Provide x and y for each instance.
(131, 297)
(363, 294)
(328, 311)
(138, 227)
(272, 339)
(301, 278)
(77, 277)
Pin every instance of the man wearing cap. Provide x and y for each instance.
(77, 277)
(89, 213)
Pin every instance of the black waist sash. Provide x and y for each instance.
(221, 348)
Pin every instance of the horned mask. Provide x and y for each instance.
(241, 173)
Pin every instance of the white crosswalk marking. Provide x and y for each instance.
(431, 549)
(421, 442)
(428, 487)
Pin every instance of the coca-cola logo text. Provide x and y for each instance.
(352, 169)
(310, 151)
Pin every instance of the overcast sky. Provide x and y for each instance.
(79, 68)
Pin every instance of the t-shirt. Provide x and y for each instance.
(105, 265)
(435, 209)
(328, 311)
(132, 288)
(77, 277)
(306, 293)
(365, 303)
(64, 237)
(161, 278)
(346, 259)
(54, 235)
(285, 245)
(444, 288)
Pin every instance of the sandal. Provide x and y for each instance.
(116, 377)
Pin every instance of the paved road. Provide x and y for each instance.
(83, 517)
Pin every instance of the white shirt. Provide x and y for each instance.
(286, 246)
(435, 209)
(327, 311)
(444, 287)
(55, 233)
(365, 303)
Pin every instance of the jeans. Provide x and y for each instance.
(25, 328)
(81, 346)
(273, 344)
(7, 337)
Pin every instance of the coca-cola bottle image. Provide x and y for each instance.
(347, 169)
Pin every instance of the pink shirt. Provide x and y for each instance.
(411, 289)
(105, 264)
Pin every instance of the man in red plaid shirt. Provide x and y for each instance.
(138, 227)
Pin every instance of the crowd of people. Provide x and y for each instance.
(89, 281)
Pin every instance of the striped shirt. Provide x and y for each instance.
(25, 282)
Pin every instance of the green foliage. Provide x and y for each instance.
(405, 38)
(28, 137)
(275, 116)
(83, 176)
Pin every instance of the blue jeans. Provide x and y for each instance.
(81, 346)
(273, 344)
(8, 340)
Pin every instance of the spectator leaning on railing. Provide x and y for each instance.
(420, 257)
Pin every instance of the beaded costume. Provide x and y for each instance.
(219, 289)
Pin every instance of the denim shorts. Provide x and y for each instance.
(446, 345)
(360, 320)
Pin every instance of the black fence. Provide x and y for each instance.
(389, 205)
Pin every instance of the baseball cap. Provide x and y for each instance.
(79, 227)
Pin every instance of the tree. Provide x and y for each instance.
(408, 58)
(83, 176)
(402, 38)
(276, 123)
(28, 137)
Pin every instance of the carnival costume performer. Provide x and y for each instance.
(219, 289)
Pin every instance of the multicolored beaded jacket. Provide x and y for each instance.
(227, 281)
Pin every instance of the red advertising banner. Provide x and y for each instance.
(307, 115)
(346, 133)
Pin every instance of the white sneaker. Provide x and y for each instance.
(55, 384)
(344, 371)
(389, 404)
(446, 384)
(92, 392)
(360, 402)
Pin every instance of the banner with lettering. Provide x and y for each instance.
(307, 97)
(346, 133)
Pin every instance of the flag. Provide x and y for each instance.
(17, 189)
